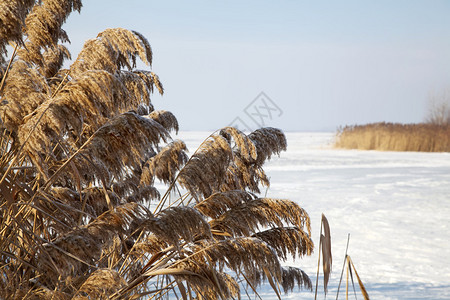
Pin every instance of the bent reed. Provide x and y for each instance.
(423, 137)
(80, 151)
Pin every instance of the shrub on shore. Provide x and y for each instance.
(395, 137)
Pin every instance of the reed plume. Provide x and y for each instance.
(203, 174)
(112, 50)
(165, 164)
(268, 141)
(293, 277)
(24, 91)
(80, 151)
(100, 284)
(286, 240)
(167, 225)
(12, 19)
(247, 218)
(218, 203)
(244, 254)
(245, 171)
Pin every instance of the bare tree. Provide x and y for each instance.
(439, 108)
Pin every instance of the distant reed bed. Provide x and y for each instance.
(383, 136)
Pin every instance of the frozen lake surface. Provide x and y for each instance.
(395, 205)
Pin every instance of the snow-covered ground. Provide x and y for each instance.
(395, 205)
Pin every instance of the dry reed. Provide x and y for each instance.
(395, 137)
(80, 150)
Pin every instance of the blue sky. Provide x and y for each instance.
(323, 63)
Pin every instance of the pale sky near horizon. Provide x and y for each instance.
(322, 64)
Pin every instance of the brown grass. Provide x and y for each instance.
(80, 150)
(395, 137)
